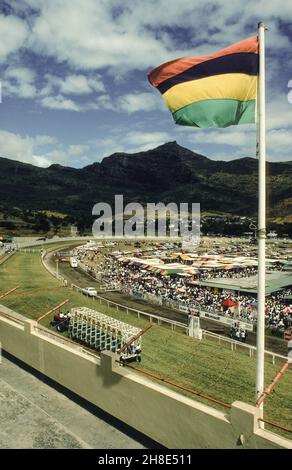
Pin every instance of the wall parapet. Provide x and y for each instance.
(174, 420)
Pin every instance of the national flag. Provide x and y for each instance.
(217, 90)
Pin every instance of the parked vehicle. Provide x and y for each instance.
(90, 291)
(131, 354)
(61, 321)
(73, 262)
(6, 238)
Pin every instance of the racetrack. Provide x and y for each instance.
(203, 366)
(80, 278)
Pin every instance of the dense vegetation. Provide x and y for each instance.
(168, 173)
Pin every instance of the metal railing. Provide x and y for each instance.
(180, 387)
(6, 257)
(234, 345)
(11, 318)
(140, 313)
(275, 425)
(183, 307)
(30, 250)
(152, 318)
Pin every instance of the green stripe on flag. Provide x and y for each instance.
(216, 113)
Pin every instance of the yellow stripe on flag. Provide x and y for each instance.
(236, 86)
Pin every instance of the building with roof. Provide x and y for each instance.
(275, 281)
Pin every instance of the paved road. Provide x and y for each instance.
(33, 415)
(78, 277)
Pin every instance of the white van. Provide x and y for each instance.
(90, 291)
(73, 262)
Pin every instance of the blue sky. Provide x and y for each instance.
(74, 76)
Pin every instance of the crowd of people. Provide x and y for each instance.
(186, 291)
(180, 290)
(236, 273)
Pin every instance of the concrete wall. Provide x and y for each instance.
(162, 414)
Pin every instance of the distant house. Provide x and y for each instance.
(74, 231)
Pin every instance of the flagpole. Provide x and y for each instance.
(261, 146)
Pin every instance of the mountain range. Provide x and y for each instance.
(168, 173)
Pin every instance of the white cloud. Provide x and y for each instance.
(279, 112)
(52, 94)
(23, 149)
(74, 84)
(103, 102)
(144, 140)
(279, 140)
(45, 140)
(96, 84)
(40, 160)
(134, 102)
(233, 136)
(59, 102)
(129, 141)
(101, 40)
(77, 150)
(129, 103)
(116, 37)
(93, 35)
(19, 81)
(39, 150)
(135, 35)
(240, 141)
(14, 146)
(13, 35)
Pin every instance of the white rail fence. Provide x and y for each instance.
(210, 313)
(52, 271)
(30, 250)
(152, 318)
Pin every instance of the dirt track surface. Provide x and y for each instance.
(81, 279)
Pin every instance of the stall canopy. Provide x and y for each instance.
(229, 303)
